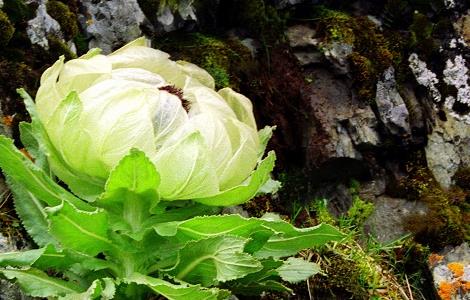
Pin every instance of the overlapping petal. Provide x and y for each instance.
(204, 143)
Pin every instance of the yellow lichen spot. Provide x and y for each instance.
(446, 290)
(456, 268)
(434, 259)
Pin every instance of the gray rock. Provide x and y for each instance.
(281, 4)
(337, 54)
(169, 20)
(301, 36)
(448, 149)
(41, 26)
(112, 23)
(390, 104)
(306, 58)
(332, 106)
(444, 265)
(362, 127)
(252, 45)
(386, 222)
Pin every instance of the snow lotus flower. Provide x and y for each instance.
(204, 143)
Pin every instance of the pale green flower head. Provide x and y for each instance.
(204, 143)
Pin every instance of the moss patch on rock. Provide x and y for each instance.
(66, 18)
(6, 29)
(220, 57)
(447, 221)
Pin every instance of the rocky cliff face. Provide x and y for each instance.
(372, 91)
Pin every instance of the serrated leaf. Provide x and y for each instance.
(103, 289)
(23, 172)
(215, 259)
(31, 212)
(37, 284)
(178, 292)
(246, 191)
(210, 226)
(289, 240)
(130, 193)
(296, 269)
(20, 258)
(32, 146)
(80, 230)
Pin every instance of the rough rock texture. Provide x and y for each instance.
(112, 23)
(41, 26)
(451, 272)
(392, 109)
(386, 222)
(169, 20)
(324, 94)
(448, 149)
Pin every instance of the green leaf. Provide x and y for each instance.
(210, 226)
(130, 193)
(103, 289)
(262, 281)
(296, 269)
(178, 291)
(20, 259)
(86, 187)
(215, 259)
(257, 288)
(37, 284)
(23, 172)
(80, 230)
(244, 192)
(31, 212)
(289, 240)
(32, 146)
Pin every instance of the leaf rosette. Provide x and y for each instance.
(204, 143)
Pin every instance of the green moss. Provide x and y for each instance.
(219, 57)
(58, 48)
(6, 29)
(447, 221)
(421, 39)
(258, 17)
(18, 11)
(81, 43)
(372, 53)
(67, 19)
(341, 280)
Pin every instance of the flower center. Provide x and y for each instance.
(178, 93)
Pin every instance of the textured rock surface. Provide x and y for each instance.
(392, 109)
(41, 26)
(451, 272)
(448, 149)
(112, 23)
(387, 220)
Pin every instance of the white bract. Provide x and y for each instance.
(96, 108)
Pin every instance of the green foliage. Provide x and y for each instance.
(67, 19)
(18, 11)
(355, 268)
(129, 243)
(6, 29)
